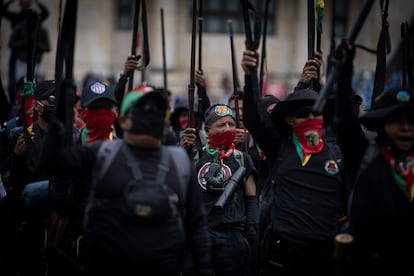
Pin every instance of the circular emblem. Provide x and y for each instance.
(403, 96)
(331, 167)
(98, 88)
(225, 173)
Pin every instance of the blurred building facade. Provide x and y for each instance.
(103, 39)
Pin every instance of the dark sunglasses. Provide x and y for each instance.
(304, 112)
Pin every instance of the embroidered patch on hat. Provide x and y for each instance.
(222, 110)
(403, 96)
(98, 88)
(331, 167)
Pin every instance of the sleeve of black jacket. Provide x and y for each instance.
(265, 136)
(350, 135)
(198, 238)
(77, 160)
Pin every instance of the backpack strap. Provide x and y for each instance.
(106, 153)
(163, 165)
(183, 167)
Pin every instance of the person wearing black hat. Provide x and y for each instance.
(99, 112)
(306, 183)
(179, 117)
(44, 108)
(122, 241)
(68, 195)
(380, 170)
(29, 183)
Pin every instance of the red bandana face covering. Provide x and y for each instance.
(222, 140)
(99, 123)
(309, 135)
(183, 123)
(403, 171)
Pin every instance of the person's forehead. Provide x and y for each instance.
(226, 119)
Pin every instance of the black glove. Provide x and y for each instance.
(250, 230)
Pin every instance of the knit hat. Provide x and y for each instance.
(217, 111)
(388, 102)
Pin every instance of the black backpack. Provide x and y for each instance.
(146, 201)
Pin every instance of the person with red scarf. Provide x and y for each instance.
(99, 113)
(380, 165)
(308, 184)
(233, 229)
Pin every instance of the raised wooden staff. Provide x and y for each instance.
(343, 251)
(200, 67)
(191, 85)
(164, 62)
(327, 89)
(236, 84)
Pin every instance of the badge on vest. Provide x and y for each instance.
(331, 167)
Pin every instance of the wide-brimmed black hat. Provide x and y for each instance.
(386, 103)
(287, 107)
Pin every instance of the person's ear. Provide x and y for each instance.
(37, 107)
(206, 129)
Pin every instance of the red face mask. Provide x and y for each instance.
(309, 135)
(222, 140)
(183, 123)
(99, 123)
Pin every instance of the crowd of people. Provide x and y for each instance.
(255, 186)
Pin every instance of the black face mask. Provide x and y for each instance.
(48, 113)
(148, 121)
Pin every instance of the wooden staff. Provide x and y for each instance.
(311, 34)
(134, 41)
(382, 48)
(235, 75)
(324, 94)
(333, 43)
(65, 87)
(320, 5)
(264, 53)
(200, 33)
(32, 24)
(409, 59)
(191, 86)
(164, 62)
(200, 67)
(252, 43)
(343, 251)
(311, 29)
